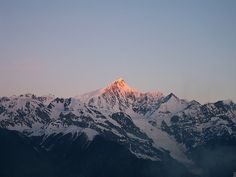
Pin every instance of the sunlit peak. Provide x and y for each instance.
(121, 85)
(119, 81)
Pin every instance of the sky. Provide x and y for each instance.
(68, 48)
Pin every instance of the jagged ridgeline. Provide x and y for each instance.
(116, 131)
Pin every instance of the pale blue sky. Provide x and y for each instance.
(66, 48)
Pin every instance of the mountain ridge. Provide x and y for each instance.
(149, 125)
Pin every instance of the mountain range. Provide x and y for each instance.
(116, 131)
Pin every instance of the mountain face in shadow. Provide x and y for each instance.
(20, 157)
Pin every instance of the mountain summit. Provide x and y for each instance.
(118, 95)
(116, 89)
(120, 81)
(120, 86)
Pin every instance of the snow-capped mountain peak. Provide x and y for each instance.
(115, 96)
(120, 85)
(172, 96)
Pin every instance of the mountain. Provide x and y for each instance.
(117, 131)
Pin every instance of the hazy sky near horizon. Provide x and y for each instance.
(71, 47)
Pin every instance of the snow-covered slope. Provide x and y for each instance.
(23, 112)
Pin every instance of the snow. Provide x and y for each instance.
(167, 109)
(173, 105)
(163, 141)
(57, 109)
(135, 137)
(118, 84)
(85, 97)
(228, 102)
(121, 85)
(48, 99)
(142, 156)
(74, 130)
(90, 133)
